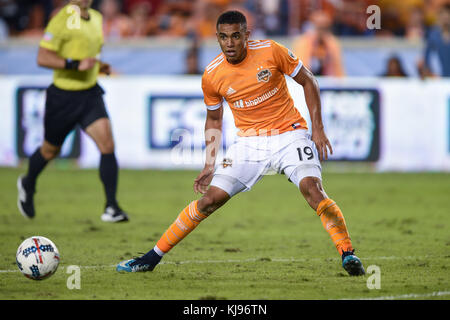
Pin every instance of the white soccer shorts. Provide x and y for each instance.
(250, 158)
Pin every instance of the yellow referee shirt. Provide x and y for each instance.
(73, 37)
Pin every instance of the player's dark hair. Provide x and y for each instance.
(232, 17)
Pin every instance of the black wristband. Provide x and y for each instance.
(72, 64)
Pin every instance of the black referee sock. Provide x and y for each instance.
(109, 175)
(36, 164)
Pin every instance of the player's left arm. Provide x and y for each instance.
(305, 78)
(291, 65)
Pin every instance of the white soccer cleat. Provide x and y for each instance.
(114, 214)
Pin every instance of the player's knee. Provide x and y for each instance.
(312, 190)
(106, 146)
(210, 202)
(49, 152)
(207, 205)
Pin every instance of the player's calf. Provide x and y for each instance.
(312, 190)
(334, 223)
(212, 200)
(189, 218)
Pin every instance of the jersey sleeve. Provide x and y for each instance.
(286, 61)
(54, 33)
(213, 100)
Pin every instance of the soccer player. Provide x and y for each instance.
(250, 75)
(71, 46)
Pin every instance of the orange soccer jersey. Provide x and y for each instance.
(255, 89)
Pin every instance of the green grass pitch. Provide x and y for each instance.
(263, 244)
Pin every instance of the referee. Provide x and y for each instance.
(71, 46)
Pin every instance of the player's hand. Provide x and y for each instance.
(105, 68)
(86, 64)
(322, 143)
(203, 180)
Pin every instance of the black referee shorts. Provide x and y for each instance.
(64, 110)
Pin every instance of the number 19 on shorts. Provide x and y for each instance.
(306, 153)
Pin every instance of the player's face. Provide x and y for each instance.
(233, 41)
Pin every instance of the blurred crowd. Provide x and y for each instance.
(314, 25)
(177, 18)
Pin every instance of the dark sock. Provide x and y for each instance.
(151, 257)
(36, 164)
(109, 175)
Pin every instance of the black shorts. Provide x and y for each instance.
(64, 110)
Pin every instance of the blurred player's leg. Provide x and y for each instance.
(26, 185)
(100, 131)
(60, 117)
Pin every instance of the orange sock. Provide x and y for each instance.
(186, 221)
(333, 221)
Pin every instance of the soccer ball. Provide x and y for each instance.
(37, 258)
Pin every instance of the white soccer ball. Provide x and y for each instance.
(37, 258)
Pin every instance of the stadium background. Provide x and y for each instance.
(158, 49)
(380, 120)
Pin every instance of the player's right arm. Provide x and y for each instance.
(50, 59)
(213, 134)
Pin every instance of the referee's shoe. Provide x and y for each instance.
(113, 213)
(25, 199)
